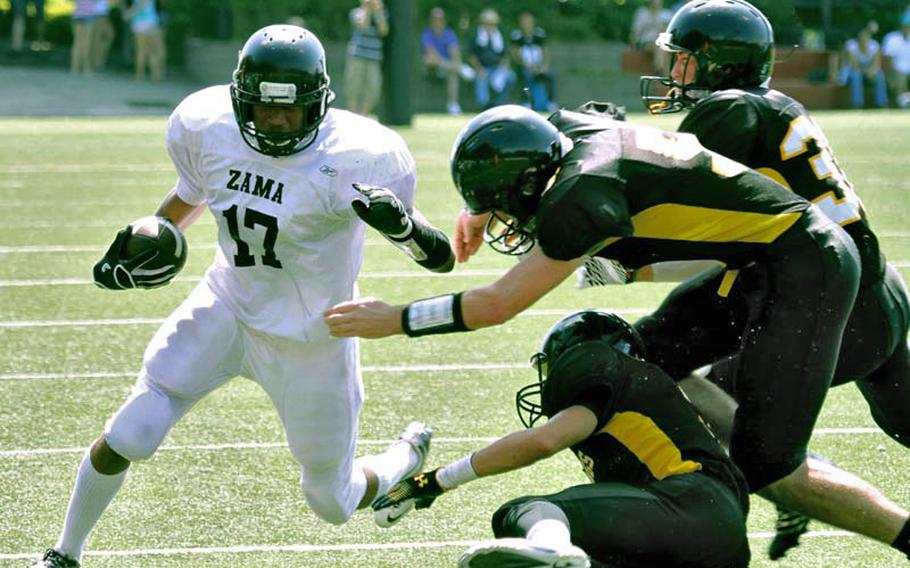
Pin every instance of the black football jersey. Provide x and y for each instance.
(641, 195)
(647, 429)
(772, 133)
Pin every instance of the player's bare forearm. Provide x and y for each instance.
(517, 290)
(524, 447)
(364, 317)
(179, 211)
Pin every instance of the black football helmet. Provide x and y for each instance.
(501, 162)
(733, 45)
(281, 66)
(543, 397)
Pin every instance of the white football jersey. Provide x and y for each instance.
(289, 242)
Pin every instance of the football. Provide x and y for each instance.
(159, 234)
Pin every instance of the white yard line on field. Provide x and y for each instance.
(18, 283)
(39, 249)
(301, 548)
(366, 369)
(230, 446)
(81, 168)
(33, 452)
(157, 321)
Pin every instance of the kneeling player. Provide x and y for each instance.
(664, 492)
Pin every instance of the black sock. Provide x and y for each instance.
(902, 542)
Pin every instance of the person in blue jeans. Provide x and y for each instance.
(863, 66)
(490, 61)
(532, 62)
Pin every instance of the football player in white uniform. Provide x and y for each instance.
(288, 190)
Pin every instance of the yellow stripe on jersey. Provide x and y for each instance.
(775, 175)
(673, 221)
(726, 283)
(649, 443)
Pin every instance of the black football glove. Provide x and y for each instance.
(113, 272)
(382, 210)
(422, 488)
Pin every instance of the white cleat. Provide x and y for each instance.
(521, 553)
(418, 436)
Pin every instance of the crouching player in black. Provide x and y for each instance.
(663, 491)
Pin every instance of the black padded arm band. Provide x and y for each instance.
(433, 249)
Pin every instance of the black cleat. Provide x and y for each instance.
(54, 559)
(788, 527)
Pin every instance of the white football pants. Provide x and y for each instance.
(315, 387)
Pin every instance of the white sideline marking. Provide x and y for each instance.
(158, 321)
(366, 369)
(280, 445)
(242, 549)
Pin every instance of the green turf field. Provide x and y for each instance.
(223, 490)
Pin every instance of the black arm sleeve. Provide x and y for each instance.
(437, 252)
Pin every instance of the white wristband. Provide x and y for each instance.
(456, 473)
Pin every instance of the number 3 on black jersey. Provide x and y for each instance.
(843, 209)
(251, 218)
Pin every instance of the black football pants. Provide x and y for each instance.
(873, 353)
(786, 325)
(685, 521)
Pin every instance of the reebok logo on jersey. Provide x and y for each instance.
(331, 172)
(255, 184)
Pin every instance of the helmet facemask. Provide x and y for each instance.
(679, 95)
(506, 235)
(562, 348)
(528, 398)
(283, 96)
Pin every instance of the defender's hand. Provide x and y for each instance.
(382, 210)
(366, 317)
(114, 272)
(422, 488)
(469, 234)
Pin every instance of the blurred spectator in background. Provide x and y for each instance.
(296, 21)
(148, 41)
(103, 35)
(363, 67)
(532, 61)
(20, 11)
(488, 57)
(442, 57)
(83, 22)
(896, 48)
(863, 66)
(647, 24)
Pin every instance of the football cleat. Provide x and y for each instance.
(54, 559)
(788, 527)
(521, 553)
(418, 436)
